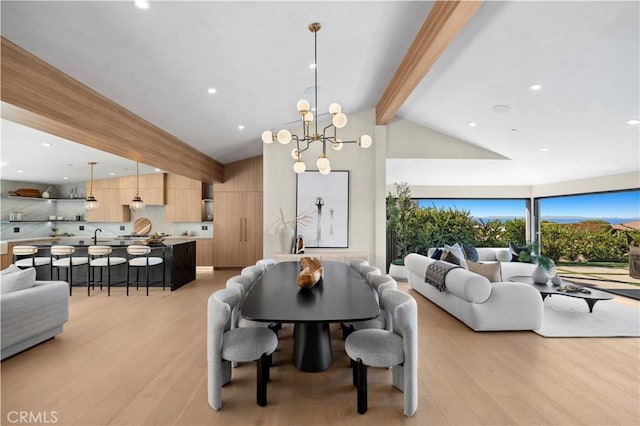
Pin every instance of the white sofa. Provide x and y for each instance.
(33, 315)
(480, 304)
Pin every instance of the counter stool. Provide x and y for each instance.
(138, 256)
(100, 257)
(66, 261)
(32, 261)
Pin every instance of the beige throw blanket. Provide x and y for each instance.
(437, 272)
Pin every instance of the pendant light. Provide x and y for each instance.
(90, 203)
(137, 204)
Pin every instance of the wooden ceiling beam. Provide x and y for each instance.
(40, 96)
(446, 19)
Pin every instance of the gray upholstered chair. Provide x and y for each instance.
(383, 320)
(266, 263)
(253, 271)
(225, 346)
(381, 348)
(365, 269)
(244, 284)
(355, 263)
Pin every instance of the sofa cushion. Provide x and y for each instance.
(468, 285)
(470, 252)
(448, 256)
(437, 254)
(491, 271)
(515, 251)
(11, 268)
(458, 252)
(18, 280)
(503, 255)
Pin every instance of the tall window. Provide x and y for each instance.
(590, 228)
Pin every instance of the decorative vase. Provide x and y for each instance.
(556, 280)
(287, 236)
(539, 275)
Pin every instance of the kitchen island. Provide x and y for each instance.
(179, 258)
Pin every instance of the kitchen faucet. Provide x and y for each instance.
(95, 236)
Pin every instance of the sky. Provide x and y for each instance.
(624, 204)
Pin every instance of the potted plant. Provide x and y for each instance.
(400, 208)
(545, 265)
(54, 231)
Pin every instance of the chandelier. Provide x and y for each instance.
(311, 135)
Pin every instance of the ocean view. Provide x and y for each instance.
(563, 219)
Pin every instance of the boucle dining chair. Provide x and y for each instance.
(383, 320)
(355, 263)
(366, 269)
(62, 258)
(100, 257)
(381, 348)
(225, 346)
(253, 271)
(244, 284)
(266, 263)
(138, 257)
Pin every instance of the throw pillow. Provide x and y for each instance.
(470, 252)
(437, 254)
(458, 252)
(491, 271)
(11, 268)
(515, 251)
(448, 256)
(19, 280)
(503, 255)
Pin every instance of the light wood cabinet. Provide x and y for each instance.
(237, 229)
(152, 189)
(237, 217)
(204, 252)
(184, 199)
(111, 209)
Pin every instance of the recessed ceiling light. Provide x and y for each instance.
(20, 171)
(112, 174)
(65, 178)
(142, 4)
(535, 87)
(157, 170)
(633, 122)
(312, 66)
(544, 149)
(212, 90)
(472, 124)
(313, 109)
(47, 144)
(240, 127)
(501, 109)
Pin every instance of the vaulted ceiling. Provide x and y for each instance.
(159, 63)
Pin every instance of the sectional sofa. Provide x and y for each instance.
(473, 299)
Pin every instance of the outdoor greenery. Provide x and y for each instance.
(418, 229)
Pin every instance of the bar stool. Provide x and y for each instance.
(68, 261)
(100, 257)
(32, 261)
(141, 259)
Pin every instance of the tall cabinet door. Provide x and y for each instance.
(228, 228)
(252, 211)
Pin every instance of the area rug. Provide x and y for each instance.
(570, 317)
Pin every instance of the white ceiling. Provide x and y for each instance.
(159, 62)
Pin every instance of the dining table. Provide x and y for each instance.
(341, 295)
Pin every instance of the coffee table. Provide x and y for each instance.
(549, 289)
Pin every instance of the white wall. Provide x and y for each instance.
(581, 186)
(280, 183)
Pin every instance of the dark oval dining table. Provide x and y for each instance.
(341, 296)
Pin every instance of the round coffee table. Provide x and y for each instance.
(549, 289)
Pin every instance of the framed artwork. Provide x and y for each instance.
(324, 200)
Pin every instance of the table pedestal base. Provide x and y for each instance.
(312, 346)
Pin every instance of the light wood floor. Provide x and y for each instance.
(142, 360)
